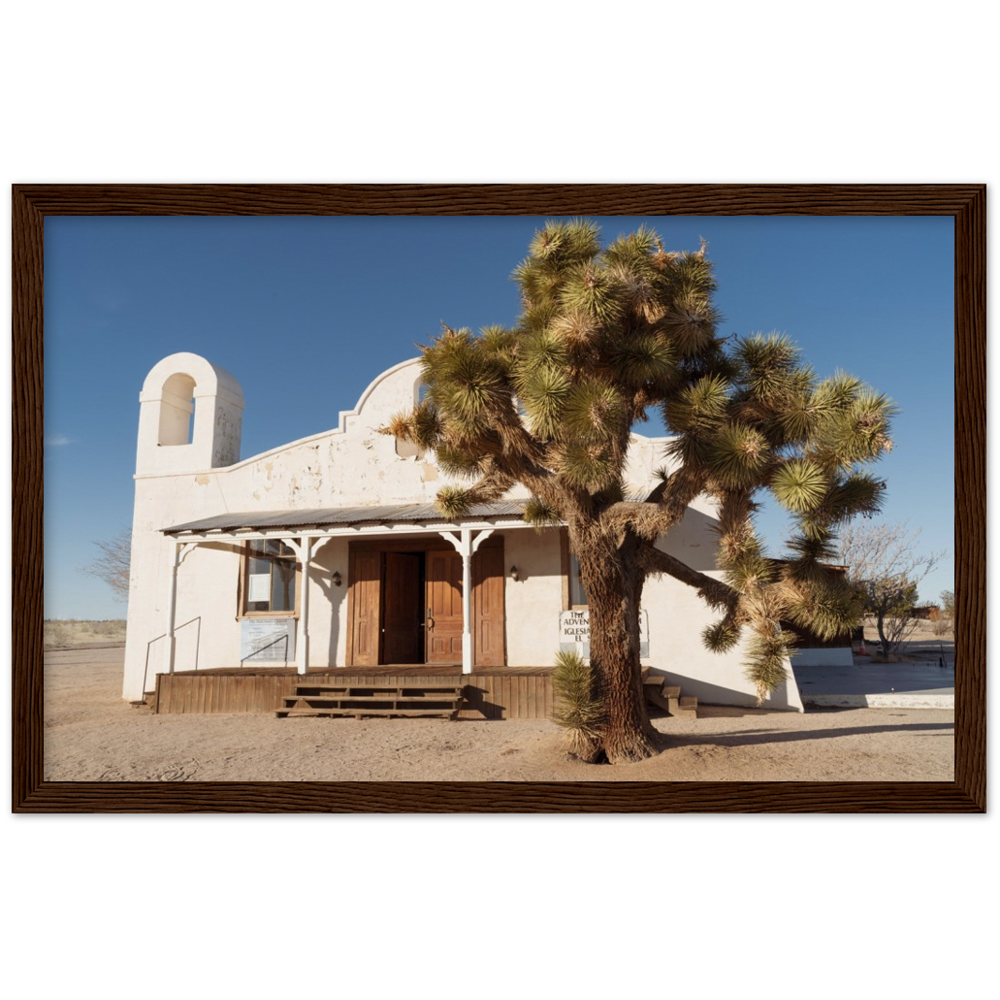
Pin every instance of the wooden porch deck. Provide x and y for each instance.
(491, 692)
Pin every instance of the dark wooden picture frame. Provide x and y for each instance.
(966, 203)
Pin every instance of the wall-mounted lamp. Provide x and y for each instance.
(513, 573)
(337, 579)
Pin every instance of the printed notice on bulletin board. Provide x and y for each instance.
(267, 640)
(574, 633)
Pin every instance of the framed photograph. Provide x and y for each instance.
(33, 201)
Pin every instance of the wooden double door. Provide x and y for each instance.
(405, 604)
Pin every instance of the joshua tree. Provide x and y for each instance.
(605, 336)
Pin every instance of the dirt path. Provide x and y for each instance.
(91, 734)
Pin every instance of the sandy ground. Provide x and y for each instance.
(92, 735)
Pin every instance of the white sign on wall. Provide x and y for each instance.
(574, 633)
(267, 640)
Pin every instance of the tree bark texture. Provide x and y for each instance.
(613, 581)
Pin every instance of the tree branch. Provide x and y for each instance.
(681, 488)
(714, 592)
(656, 495)
(649, 519)
(492, 485)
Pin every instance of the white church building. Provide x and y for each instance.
(328, 555)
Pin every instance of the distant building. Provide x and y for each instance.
(328, 553)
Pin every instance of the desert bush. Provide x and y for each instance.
(947, 620)
(57, 633)
(115, 627)
(577, 709)
(942, 626)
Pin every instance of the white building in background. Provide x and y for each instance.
(328, 552)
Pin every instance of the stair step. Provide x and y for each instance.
(668, 697)
(687, 707)
(375, 702)
(362, 713)
(381, 696)
(382, 690)
(353, 704)
(393, 693)
(380, 687)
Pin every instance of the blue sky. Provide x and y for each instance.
(306, 311)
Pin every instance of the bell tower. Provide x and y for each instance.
(190, 417)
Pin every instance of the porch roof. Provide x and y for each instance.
(411, 515)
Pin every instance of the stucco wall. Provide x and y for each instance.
(534, 600)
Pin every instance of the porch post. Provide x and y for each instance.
(302, 643)
(172, 608)
(181, 549)
(466, 551)
(467, 546)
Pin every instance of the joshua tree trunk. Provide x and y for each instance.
(614, 586)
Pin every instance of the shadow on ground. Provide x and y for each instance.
(756, 737)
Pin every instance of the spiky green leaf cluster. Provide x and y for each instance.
(699, 409)
(585, 467)
(457, 462)
(543, 396)
(738, 456)
(466, 382)
(454, 501)
(420, 426)
(765, 364)
(720, 637)
(541, 515)
(577, 706)
(827, 611)
(765, 666)
(750, 568)
(799, 485)
(810, 557)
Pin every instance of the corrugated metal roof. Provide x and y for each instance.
(345, 516)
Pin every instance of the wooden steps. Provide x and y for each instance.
(373, 700)
(668, 696)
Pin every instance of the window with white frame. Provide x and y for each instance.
(269, 570)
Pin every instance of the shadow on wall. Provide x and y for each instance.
(321, 573)
(694, 541)
(715, 694)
